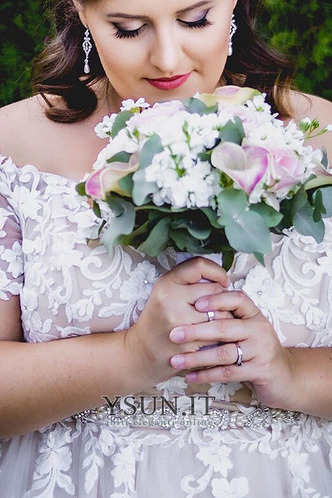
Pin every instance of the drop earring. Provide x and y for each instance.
(87, 46)
(231, 34)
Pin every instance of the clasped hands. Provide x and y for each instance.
(181, 304)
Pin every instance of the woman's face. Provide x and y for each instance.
(160, 49)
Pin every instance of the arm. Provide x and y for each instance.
(43, 383)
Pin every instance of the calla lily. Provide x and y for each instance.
(105, 180)
(228, 94)
(244, 165)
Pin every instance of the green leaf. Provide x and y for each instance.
(142, 189)
(151, 147)
(227, 260)
(269, 215)
(121, 157)
(231, 203)
(196, 106)
(304, 224)
(198, 232)
(260, 258)
(232, 131)
(127, 240)
(317, 202)
(122, 224)
(211, 216)
(126, 184)
(120, 122)
(157, 240)
(96, 209)
(80, 188)
(325, 161)
(318, 181)
(248, 233)
(289, 208)
(186, 242)
(326, 199)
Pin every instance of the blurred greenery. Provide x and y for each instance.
(301, 29)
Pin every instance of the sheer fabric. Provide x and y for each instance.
(68, 288)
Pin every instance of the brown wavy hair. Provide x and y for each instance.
(59, 69)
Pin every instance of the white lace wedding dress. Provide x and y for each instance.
(70, 289)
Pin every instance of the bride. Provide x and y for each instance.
(77, 325)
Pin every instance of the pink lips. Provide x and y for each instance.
(169, 83)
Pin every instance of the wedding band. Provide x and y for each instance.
(239, 355)
(211, 315)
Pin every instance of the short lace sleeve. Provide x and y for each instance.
(11, 257)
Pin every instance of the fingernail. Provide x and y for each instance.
(191, 377)
(177, 335)
(177, 361)
(202, 304)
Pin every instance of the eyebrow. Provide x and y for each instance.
(182, 11)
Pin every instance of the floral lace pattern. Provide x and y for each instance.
(69, 288)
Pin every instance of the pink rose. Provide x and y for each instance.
(159, 112)
(286, 170)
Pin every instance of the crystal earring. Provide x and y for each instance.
(231, 34)
(87, 46)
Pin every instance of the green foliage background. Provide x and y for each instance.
(303, 29)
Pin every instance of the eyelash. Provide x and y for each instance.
(125, 34)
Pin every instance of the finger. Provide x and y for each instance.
(236, 301)
(226, 354)
(197, 291)
(195, 269)
(225, 329)
(224, 374)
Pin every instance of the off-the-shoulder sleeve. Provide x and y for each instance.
(11, 257)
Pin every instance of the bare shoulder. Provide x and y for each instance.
(311, 106)
(22, 125)
(28, 136)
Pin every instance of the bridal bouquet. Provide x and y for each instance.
(213, 173)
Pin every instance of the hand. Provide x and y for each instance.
(267, 365)
(171, 303)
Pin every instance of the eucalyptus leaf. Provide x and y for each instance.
(232, 131)
(157, 240)
(121, 157)
(120, 122)
(289, 208)
(122, 224)
(126, 184)
(211, 216)
(304, 224)
(198, 232)
(326, 199)
(196, 106)
(271, 217)
(231, 203)
(151, 147)
(260, 258)
(317, 202)
(186, 242)
(142, 189)
(248, 233)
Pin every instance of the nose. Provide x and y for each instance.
(165, 51)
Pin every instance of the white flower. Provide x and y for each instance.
(104, 128)
(129, 104)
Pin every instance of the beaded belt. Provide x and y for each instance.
(221, 419)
